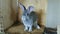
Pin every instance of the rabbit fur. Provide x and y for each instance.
(29, 18)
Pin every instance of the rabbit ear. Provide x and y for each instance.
(30, 8)
(22, 7)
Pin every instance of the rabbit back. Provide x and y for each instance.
(33, 16)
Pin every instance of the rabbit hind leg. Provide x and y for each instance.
(36, 25)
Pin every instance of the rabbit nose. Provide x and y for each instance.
(27, 14)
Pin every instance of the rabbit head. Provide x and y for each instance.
(26, 11)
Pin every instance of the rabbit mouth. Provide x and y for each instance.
(27, 13)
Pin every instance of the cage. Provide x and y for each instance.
(12, 22)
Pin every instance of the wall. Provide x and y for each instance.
(53, 13)
(6, 13)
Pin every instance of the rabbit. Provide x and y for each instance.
(28, 18)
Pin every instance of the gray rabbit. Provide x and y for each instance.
(29, 18)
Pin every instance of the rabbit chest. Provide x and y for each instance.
(27, 20)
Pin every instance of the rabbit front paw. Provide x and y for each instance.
(26, 28)
(30, 29)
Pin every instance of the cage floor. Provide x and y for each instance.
(20, 30)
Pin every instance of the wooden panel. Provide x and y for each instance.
(6, 13)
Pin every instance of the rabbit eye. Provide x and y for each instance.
(27, 14)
